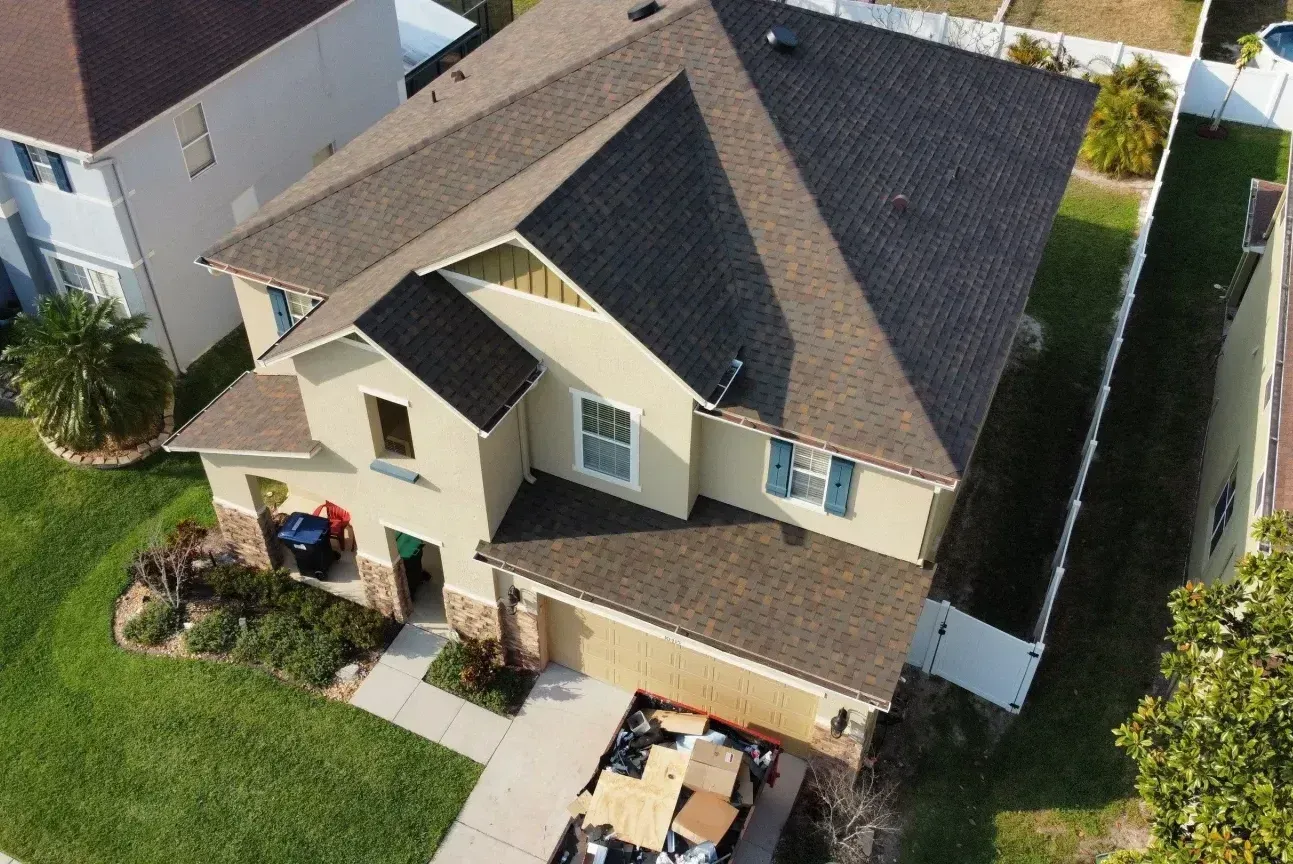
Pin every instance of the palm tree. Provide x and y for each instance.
(1028, 50)
(84, 375)
(1144, 73)
(1250, 45)
(1127, 131)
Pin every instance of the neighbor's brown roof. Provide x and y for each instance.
(82, 73)
(879, 331)
(1263, 200)
(813, 607)
(257, 414)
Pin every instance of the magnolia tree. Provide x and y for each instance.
(1216, 758)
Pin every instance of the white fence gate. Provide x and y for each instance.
(984, 660)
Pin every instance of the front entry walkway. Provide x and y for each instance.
(535, 764)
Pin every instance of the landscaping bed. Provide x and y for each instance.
(473, 670)
(190, 598)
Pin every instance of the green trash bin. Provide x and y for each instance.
(409, 548)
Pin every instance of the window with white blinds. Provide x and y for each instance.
(606, 439)
(808, 473)
(102, 286)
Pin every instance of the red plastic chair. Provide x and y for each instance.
(338, 522)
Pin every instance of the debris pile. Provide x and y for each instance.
(675, 787)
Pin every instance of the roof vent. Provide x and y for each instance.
(457, 75)
(645, 9)
(783, 39)
(899, 203)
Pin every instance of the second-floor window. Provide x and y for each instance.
(101, 286)
(809, 476)
(43, 166)
(809, 469)
(606, 438)
(392, 432)
(289, 307)
(1223, 508)
(195, 140)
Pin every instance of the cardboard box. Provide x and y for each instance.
(712, 769)
(705, 816)
(678, 722)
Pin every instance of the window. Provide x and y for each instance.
(43, 166)
(323, 153)
(1223, 509)
(289, 308)
(195, 140)
(392, 435)
(808, 472)
(101, 285)
(606, 439)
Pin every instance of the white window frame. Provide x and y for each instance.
(110, 277)
(635, 425)
(41, 164)
(184, 146)
(292, 313)
(825, 476)
(1225, 501)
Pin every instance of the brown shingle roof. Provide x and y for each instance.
(816, 608)
(879, 332)
(82, 73)
(257, 414)
(1263, 200)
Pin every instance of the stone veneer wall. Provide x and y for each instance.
(525, 641)
(250, 536)
(471, 617)
(386, 587)
(845, 752)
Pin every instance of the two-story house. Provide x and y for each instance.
(136, 133)
(669, 330)
(1247, 468)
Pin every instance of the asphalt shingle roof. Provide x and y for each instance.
(82, 73)
(875, 329)
(476, 367)
(257, 414)
(813, 607)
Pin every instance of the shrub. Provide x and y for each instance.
(217, 633)
(282, 642)
(1028, 50)
(153, 625)
(84, 375)
(260, 589)
(480, 662)
(357, 625)
(503, 695)
(1129, 125)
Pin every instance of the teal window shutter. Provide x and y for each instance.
(779, 460)
(282, 318)
(60, 171)
(838, 485)
(24, 159)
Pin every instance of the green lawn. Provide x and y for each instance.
(1051, 787)
(108, 756)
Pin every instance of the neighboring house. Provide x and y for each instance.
(670, 344)
(1246, 462)
(135, 133)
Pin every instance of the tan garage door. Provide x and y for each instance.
(631, 659)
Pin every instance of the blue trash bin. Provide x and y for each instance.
(307, 537)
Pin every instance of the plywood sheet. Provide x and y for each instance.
(665, 766)
(638, 811)
(678, 722)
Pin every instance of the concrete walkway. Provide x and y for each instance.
(5, 859)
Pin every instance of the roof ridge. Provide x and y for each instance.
(254, 227)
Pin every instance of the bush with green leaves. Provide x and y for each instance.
(217, 633)
(153, 624)
(1215, 758)
(280, 641)
(457, 669)
(1129, 124)
(83, 374)
(260, 589)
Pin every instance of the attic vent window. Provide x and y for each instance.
(783, 39)
(645, 9)
(725, 382)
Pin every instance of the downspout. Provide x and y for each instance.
(143, 256)
(523, 422)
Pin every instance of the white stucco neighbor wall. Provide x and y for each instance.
(324, 84)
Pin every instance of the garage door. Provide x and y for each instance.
(631, 659)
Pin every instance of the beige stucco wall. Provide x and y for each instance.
(465, 483)
(1239, 427)
(886, 513)
(586, 352)
(258, 317)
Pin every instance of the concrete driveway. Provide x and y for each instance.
(517, 811)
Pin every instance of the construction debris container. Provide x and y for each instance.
(307, 537)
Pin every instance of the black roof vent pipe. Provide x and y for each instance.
(645, 9)
(783, 39)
